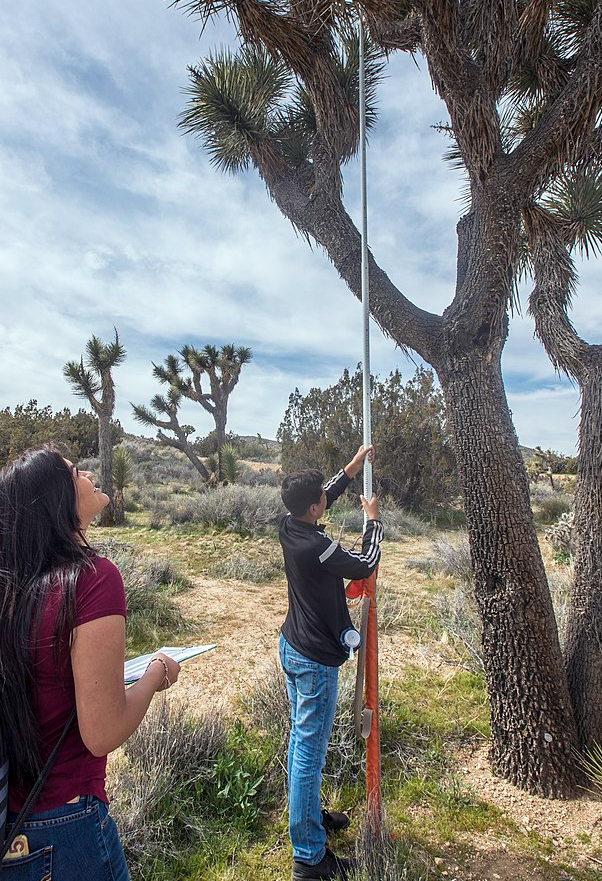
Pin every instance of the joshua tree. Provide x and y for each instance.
(287, 105)
(221, 367)
(168, 406)
(92, 379)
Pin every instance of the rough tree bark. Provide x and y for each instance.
(554, 276)
(105, 453)
(533, 731)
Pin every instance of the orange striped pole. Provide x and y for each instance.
(373, 794)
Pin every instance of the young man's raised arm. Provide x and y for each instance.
(339, 483)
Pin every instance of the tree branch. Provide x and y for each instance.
(462, 85)
(564, 131)
(555, 277)
(404, 36)
(322, 217)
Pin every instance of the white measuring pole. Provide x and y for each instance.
(365, 273)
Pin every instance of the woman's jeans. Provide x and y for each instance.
(74, 842)
(312, 691)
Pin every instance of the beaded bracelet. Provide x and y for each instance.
(166, 680)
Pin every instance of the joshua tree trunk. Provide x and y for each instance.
(554, 274)
(118, 507)
(221, 419)
(182, 444)
(584, 632)
(105, 452)
(532, 727)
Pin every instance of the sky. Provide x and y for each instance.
(112, 218)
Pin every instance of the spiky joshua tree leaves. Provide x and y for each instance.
(298, 131)
(92, 378)
(220, 368)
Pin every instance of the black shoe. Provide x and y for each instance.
(329, 867)
(333, 821)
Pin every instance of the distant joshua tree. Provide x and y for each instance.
(168, 407)
(222, 369)
(92, 379)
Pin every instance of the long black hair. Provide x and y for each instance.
(41, 546)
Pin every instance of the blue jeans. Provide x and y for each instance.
(312, 692)
(69, 843)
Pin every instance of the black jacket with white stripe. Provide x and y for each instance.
(315, 568)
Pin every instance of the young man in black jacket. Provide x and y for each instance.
(311, 650)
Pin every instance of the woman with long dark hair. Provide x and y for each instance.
(62, 644)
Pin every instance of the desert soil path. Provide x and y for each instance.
(244, 620)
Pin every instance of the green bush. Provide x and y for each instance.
(235, 778)
(415, 463)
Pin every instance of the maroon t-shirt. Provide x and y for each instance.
(99, 592)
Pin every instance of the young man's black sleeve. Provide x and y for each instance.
(353, 564)
(336, 486)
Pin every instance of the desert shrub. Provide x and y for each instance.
(154, 464)
(234, 508)
(394, 609)
(239, 567)
(396, 521)
(149, 586)
(549, 504)
(459, 617)
(91, 463)
(448, 558)
(155, 520)
(187, 785)
(261, 477)
(179, 511)
(561, 536)
(254, 449)
(154, 789)
(386, 857)
(560, 582)
(152, 495)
